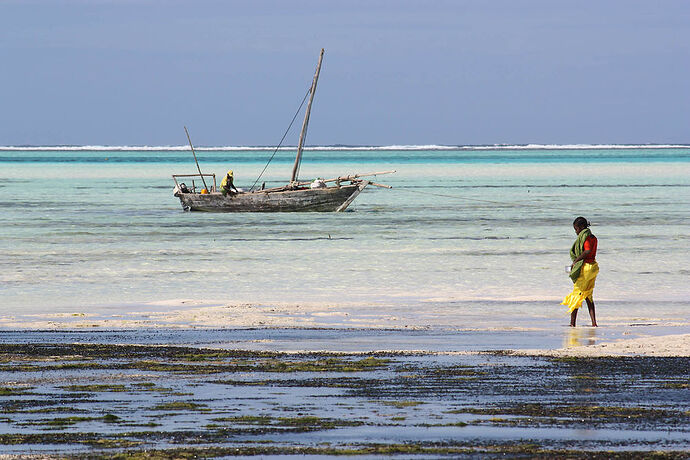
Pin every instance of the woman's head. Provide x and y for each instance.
(580, 223)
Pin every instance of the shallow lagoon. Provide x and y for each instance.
(85, 231)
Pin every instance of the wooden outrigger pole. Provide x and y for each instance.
(352, 177)
(195, 160)
(302, 135)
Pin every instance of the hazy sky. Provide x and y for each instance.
(134, 72)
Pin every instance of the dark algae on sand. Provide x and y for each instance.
(148, 401)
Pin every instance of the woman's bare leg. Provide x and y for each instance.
(573, 317)
(592, 314)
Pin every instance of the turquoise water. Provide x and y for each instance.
(85, 230)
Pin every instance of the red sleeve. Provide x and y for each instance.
(591, 245)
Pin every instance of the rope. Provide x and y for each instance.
(514, 203)
(281, 140)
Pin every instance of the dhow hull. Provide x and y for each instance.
(328, 199)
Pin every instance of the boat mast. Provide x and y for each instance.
(303, 134)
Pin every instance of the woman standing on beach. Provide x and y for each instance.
(583, 271)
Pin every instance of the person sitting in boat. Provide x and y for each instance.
(318, 183)
(179, 189)
(226, 185)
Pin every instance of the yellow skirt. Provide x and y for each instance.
(584, 286)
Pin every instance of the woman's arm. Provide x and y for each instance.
(582, 256)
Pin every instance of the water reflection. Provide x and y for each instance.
(580, 336)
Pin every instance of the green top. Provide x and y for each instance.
(576, 250)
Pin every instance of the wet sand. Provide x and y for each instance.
(665, 345)
(463, 380)
(527, 327)
(89, 393)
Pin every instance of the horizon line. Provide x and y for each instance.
(90, 147)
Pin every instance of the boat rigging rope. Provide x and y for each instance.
(281, 140)
(504, 203)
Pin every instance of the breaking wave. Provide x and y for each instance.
(172, 148)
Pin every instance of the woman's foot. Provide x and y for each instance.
(592, 312)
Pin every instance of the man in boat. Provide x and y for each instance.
(226, 185)
(180, 189)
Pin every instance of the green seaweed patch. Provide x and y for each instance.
(459, 424)
(246, 383)
(190, 360)
(111, 418)
(15, 391)
(207, 356)
(312, 382)
(54, 367)
(108, 443)
(180, 405)
(72, 420)
(163, 414)
(323, 365)
(95, 388)
(429, 425)
(591, 413)
(105, 351)
(402, 404)
(66, 421)
(189, 367)
(326, 450)
(53, 410)
(316, 422)
(266, 448)
(585, 377)
(676, 385)
(141, 425)
(152, 387)
(246, 420)
(568, 359)
(306, 423)
(90, 439)
(20, 368)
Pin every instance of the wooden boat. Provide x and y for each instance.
(320, 195)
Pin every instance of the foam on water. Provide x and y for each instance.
(173, 148)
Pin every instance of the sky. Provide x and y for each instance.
(404, 72)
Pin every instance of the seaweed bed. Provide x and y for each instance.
(145, 401)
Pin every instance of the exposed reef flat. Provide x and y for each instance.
(89, 400)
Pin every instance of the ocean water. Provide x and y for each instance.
(462, 230)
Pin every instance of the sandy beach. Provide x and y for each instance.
(618, 336)
(666, 345)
